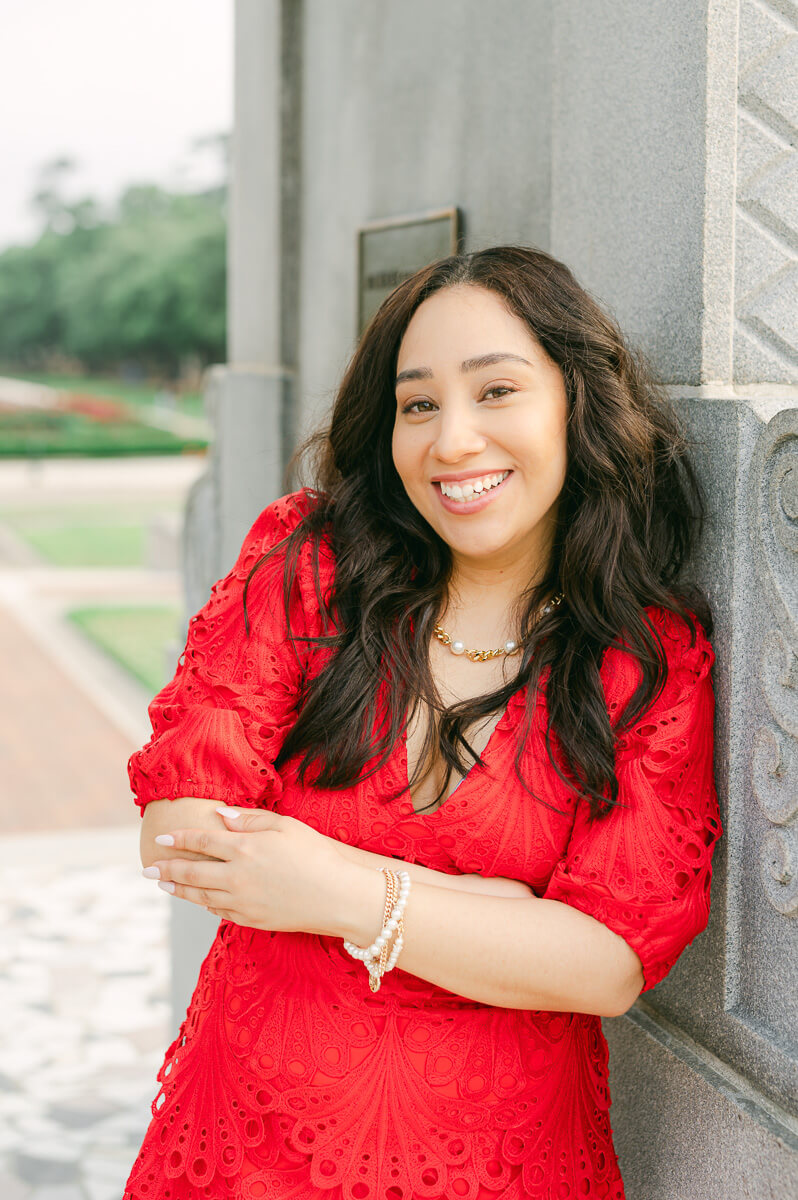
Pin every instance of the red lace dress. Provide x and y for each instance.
(289, 1077)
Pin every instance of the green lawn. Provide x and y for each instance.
(136, 638)
(90, 545)
(86, 535)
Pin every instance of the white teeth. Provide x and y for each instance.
(472, 487)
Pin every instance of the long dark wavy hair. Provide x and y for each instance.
(629, 516)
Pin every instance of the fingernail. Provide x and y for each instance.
(167, 885)
(232, 813)
(165, 839)
(151, 873)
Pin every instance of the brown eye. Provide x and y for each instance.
(408, 408)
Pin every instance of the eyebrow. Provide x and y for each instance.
(469, 364)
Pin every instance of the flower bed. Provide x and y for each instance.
(69, 430)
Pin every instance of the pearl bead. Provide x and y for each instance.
(457, 647)
(509, 647)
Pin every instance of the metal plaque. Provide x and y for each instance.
(390, 250)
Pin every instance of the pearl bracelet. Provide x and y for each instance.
(372, 954)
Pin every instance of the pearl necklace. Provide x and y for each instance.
(509, 648)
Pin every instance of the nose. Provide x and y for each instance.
(457, 435)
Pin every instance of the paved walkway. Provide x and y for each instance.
(63, 761)
(84, 957)
(83, 994)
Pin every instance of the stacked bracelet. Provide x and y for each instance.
(377, 958)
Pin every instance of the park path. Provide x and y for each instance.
(84, 960)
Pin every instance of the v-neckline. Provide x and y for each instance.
(406, 797)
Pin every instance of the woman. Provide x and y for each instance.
(466, 655)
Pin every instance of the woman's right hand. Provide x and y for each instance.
(163, 816)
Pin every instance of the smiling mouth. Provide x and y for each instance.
(471, 489)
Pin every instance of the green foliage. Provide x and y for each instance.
(147, 284)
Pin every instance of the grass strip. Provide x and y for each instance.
(135, 637)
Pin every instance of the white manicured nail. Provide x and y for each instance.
(232, 813)
(165, 839)
(151, 873)
(167, 885)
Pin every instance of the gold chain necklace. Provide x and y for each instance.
(509, 648)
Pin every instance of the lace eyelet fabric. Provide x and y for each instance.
(288, 1077)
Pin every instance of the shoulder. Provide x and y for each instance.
(274, 525)
(306, 565)
(688, 653)
(279, 519)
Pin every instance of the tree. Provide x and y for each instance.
(145, 282)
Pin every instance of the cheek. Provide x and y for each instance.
(406, 458)
(398, 454)
(545, 451)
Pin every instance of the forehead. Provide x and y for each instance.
(461, 324)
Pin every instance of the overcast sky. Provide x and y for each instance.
(123, 86)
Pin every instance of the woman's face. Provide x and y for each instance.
(491, 433)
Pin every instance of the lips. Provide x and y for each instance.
(466, 475)
(466, 507)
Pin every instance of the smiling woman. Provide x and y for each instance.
(467, 654)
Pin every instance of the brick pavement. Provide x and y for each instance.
(62, 761)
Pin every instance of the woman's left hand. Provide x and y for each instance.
(274, 872)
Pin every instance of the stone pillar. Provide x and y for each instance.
(674, 200)
(251, 399)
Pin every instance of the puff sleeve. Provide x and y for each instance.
(645, 870)
(219, 723)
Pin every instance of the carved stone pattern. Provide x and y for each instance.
(766, 226)
(774, 764)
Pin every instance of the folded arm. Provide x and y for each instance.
(193, 812)
(513, 953)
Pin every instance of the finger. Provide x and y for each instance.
(250, 819)
(193, 873)
(224, 914)
(208, 898)
(215, 843)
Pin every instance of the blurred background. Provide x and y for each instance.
(115, 149)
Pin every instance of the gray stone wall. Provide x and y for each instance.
(652, 147)
(766, 217)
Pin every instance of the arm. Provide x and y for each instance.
(628, 895)
(276, 872)
(511, 953)
(192, 812)
(162, 816)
